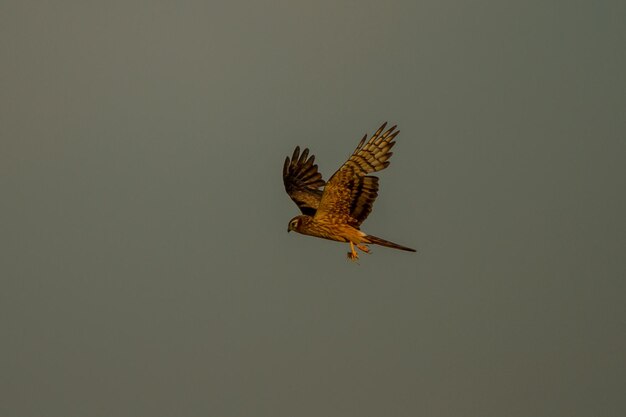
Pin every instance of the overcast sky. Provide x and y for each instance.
(145, 265)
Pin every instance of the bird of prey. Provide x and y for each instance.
(335, 209)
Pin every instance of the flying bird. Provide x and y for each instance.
(335, 209)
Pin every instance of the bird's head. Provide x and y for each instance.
(295, 224)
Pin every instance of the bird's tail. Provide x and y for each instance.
(383, 242)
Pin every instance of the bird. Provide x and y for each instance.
(335, 209)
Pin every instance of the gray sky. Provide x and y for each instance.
(145, 264)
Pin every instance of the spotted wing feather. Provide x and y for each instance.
(302, 181)
(350, 193)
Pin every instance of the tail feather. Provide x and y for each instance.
(383, 242)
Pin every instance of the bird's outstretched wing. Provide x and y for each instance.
(303, 181)
(350, 193)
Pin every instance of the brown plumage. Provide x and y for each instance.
(336, 213)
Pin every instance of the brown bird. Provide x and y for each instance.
(337, 211)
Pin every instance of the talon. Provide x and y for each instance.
(363, 247)
(352, 255)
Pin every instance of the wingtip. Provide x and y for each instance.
(296, 154)
(303, 156)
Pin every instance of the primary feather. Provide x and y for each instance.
(303, 181)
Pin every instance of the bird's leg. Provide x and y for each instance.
(352, 255)
(363, 247)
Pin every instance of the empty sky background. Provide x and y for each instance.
(145, 265)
